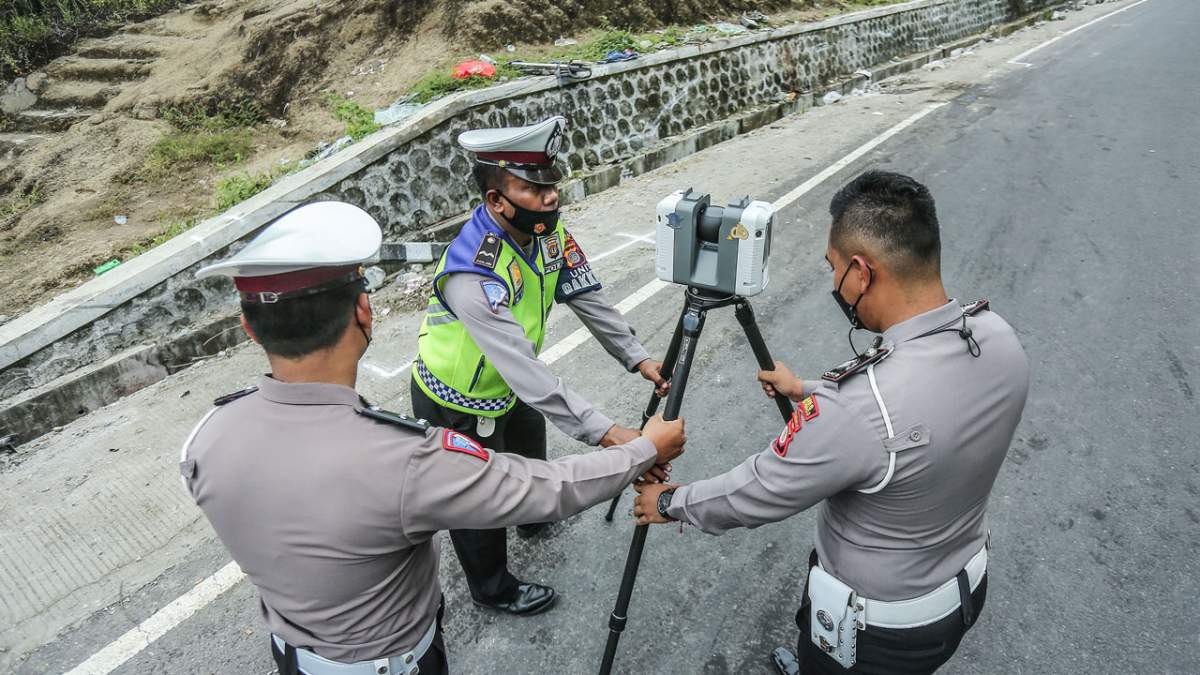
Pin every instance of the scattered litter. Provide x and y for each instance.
(473, 68)
(831, 97)
(385, 311)
(565, 42)
(864, 73)
(325, 149)
(185, 393)
(509, 48)
(120, 220)
(729, 28)
(877, 113)
(616, 56)
(404, 107)
(375, 277)
(278, 123)
(645, 45)
(110, 265)
(114, 449)
(1058, 15)
(752, 20)
(934, 65)
(955, 53)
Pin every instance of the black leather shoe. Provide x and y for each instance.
(530, 599)
(785, 661)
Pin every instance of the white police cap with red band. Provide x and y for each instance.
(309, 249)
(528, 152)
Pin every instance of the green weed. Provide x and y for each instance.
(191, 148)
(359, 121)
(224, 116)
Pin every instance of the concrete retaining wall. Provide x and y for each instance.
(627, 119)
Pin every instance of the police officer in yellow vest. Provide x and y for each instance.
(478, 370)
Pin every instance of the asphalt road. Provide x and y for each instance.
(1067, 196)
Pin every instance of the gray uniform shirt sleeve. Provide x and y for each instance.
(502, 340)
(834, 451)
(444, 489)
(609, 328)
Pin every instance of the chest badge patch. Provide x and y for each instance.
(518, 282)
(488, 253)
(551, 248)
(496, 294)
(456, 442)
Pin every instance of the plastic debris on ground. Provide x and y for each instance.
(831, 97)
(729, 28)
(324, 150)
(565, 42)
(120, 220)
(404, 107)
(473, 68)
(107, 267)
(617, 56)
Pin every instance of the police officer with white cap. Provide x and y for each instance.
(330, 506)
(478, 370)
(902, 444)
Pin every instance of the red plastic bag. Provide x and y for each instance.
(473, 68)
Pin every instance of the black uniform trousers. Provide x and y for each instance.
(484, 553)
(892, 651)
(433, 662)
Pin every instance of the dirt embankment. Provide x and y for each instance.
(135, 135)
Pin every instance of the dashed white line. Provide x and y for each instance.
(128, 645)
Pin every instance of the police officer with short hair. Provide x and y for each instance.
(901, 444)
(478, 370)
(330, 506)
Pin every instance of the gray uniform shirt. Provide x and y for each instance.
(332, 515)
(502, 340)
(952, 418)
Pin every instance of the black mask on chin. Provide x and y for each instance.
(532, 223)
(851, 311)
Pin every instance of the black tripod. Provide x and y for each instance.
(676, 366)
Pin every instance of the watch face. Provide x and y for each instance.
(664, 501)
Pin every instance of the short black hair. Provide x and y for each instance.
(297, 327)
(488, 177)
(893, 214)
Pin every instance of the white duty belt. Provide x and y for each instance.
(403, 664)
(925, 609)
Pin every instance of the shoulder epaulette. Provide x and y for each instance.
(857, 364)
(488, 253)
(228, 398)
(975, 307)
(397, 419)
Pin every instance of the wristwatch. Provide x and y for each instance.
(664, 502)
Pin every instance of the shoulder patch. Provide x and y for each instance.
(229, 398)
(396, 419)
(857, 365)
(496, 294)
(795, 422)
(488, 253)
(975, 307)
(573, 254)
(456, 442)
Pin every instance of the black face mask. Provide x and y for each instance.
(851, 311)
(532, 223)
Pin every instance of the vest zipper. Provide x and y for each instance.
(478, 372)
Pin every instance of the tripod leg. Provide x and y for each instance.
(745, 316)
(692, 322)
(652, 405)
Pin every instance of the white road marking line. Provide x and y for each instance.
(1018, 59)
(849, 159)
(128, 645)
(384, 372)
(136, 639)
(633, 240)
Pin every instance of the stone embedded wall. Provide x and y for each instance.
(613, 117)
